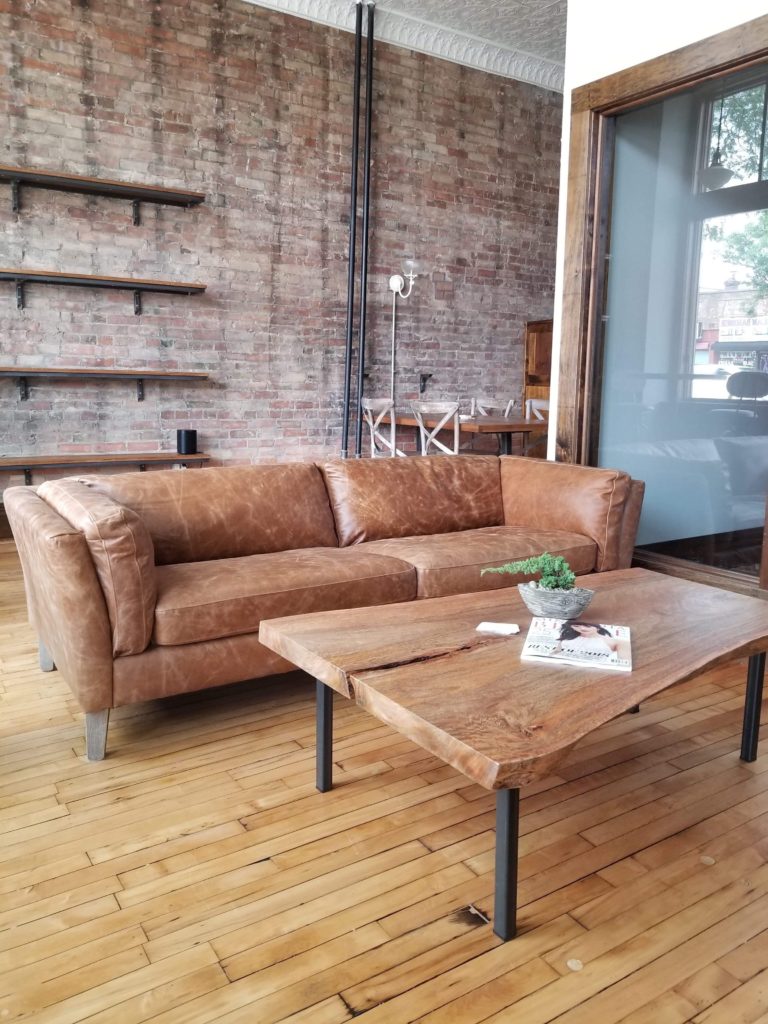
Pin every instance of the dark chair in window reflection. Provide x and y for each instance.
(749, 384)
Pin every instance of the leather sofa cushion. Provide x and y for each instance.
(206, 600)
(373, 499)
(556, 495)
(122, 553)
(450, 563)
(202, 514)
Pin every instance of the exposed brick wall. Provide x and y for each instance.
(253, 108)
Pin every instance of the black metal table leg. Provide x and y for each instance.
(324, 737)
(507, 828)
(752, 707)
(505, 443)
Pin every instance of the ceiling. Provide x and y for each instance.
(523, 39)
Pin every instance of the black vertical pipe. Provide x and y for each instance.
(366, 218)
(352, 228)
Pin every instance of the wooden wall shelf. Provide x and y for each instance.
(132, 284)
(141, 459)
(57, 181)
(23, 373)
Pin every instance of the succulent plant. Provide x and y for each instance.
(554, 571)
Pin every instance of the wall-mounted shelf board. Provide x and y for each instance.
(23, 373)
(131, 284)
(58, 181)
(29, 463)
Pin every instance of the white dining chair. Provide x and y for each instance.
(491, 407)
(374, 412)
(447, 414)
(537, 408)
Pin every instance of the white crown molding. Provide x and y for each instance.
(435, 40)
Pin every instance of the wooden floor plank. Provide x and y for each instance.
(195, 875)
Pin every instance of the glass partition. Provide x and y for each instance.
(684, 373)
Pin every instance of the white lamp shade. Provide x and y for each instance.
(715, 176)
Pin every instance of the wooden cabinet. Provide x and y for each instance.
(538, 358)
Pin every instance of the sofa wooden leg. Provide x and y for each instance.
(45, 659)
(96, 724)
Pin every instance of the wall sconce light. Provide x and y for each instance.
(397, 287)
(397, 281)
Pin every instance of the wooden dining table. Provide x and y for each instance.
(502, 426)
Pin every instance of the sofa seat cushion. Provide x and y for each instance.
(198, 601)
(450, 563)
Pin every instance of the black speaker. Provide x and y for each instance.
(186, 442)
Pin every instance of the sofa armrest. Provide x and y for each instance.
(122, 553)
(65, 601)
(560, 496)
(629, 523)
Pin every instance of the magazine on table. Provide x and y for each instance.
(578, 642)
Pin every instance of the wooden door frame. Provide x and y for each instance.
(593, 108)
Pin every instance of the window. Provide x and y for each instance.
(683, 400)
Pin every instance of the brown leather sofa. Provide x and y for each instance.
(143, 585)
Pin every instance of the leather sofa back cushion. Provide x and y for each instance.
(559, 496)
(198, 515)
(122, 553)
(377, 498)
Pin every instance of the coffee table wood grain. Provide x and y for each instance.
(466, 697)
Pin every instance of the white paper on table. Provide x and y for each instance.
(499, 628)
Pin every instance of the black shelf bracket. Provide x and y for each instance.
(15, 195)
(19, 295)
(136, 212)
(137, 303)
(23, 389)
(140, 390)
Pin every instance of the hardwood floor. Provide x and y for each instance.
(196, 875)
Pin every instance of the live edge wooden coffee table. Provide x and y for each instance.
(466, 697)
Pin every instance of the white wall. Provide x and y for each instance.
(606, 36)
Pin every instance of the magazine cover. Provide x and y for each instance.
(576, 642)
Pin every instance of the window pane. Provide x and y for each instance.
(732, 307)
(736, 130)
